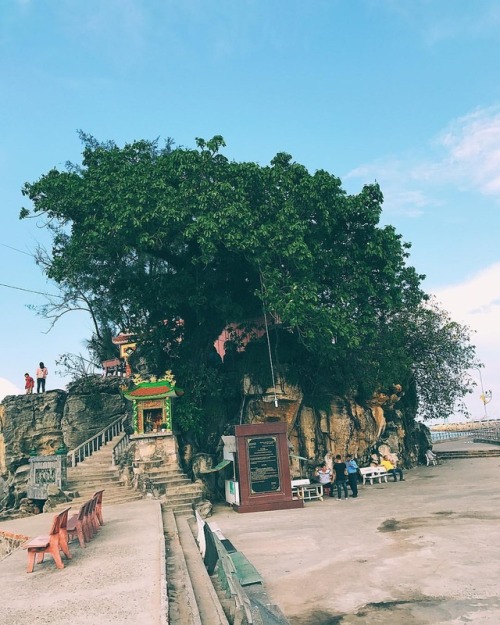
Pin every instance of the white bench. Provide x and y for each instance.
(374, 473)
(304, 489)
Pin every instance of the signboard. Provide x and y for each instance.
(263, 464)
(46, 471)
(264, 468)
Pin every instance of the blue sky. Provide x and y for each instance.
(405, 92)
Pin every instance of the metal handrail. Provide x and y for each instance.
(491, 434)
(87, 448)
(449, 435)
(119, 447)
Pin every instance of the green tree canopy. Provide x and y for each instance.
(174, 244)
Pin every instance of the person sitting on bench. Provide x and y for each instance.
(430, 457)
(390, 468)
(323, 476)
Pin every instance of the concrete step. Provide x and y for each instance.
(167, 473)
(182, 606)
(165, 491)
(85, 485)
(93, 466)
(182, 489)
(484, 453)
(172, 481)
(90, 489)
(181, 509)
(181, 500)
(209, 606)
(108, 499)
(90, 479)
(152, 465)
(98, 461)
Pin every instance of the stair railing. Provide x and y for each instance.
(87, 448)
(119, 447)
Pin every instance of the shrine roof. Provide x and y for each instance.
(153, 389)
(146, 391)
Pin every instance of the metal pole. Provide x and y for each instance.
(483, 396)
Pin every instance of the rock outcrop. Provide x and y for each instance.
(39, 424)
(345, 427)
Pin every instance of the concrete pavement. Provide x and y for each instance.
(119, 578)
(419, 552)
(416, 552)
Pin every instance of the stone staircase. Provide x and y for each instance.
(162, 481)
(468, 453)
(96, 473)
(169, 483)
(195, 598)
(192, 598)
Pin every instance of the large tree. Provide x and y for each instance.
(174, 244)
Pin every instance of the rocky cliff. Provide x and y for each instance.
(344, 426)
(38, 424)
(387, 423)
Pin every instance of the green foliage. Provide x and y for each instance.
(174, 244)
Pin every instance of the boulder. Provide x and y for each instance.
(204, 508)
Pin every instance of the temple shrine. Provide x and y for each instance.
(152, 408)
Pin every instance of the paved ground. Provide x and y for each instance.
(118, 579)
(417, 552)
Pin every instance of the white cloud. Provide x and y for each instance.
(8, 388)
(472, 144)
(465, 155)
(476, 302)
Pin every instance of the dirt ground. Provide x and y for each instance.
(423, 551)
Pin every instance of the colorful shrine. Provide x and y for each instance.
(152, 408)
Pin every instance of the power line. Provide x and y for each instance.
(18, 288)
(16, 250)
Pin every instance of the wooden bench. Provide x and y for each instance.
(98, 507)
(373, 473)
(78, 526)
(304, 489)
(233, 572)
(53, 542)
(85, 524)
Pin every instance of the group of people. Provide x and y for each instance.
(339, 476)
(41, 376)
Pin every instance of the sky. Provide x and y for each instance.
(404, 92)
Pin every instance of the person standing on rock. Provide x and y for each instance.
(41, 376)
(29, 384)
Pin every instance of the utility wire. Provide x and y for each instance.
(16, 250)
(18, 288)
